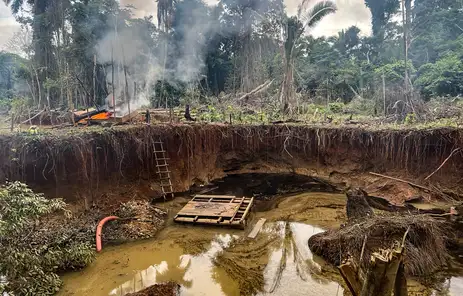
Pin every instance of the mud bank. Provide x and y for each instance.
(81, 161)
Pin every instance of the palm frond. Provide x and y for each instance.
(315, 14)
(302, 8)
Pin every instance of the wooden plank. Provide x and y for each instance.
(216, 196)
(195, 208)
(255, 231)
(215, 209)
(247, 209)
(205, 221)
(239, 205)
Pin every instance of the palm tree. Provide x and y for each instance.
(295, 27)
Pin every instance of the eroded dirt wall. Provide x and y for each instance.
(88, 158)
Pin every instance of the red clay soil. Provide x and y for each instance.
(167, 289)
(88, 159)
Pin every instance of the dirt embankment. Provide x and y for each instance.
(83, 163)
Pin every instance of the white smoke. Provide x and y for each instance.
(146, 65)
(190, 63)
(142, 67)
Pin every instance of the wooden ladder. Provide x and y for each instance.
(163, 170)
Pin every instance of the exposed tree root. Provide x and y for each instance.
(203, 152)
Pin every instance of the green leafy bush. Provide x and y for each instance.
(445, 77)
(32, 256)
(394, 72)
(336, 107)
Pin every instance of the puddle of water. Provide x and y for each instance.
(301, 274)
(455, 286)
(194, 273)
(185, 254)
(452, 286)
(128, 268)
(143, 264)
(430, 206)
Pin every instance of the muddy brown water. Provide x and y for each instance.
(216, 261)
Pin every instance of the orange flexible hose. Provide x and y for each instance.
(99, 228)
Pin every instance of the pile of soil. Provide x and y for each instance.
(425, 244)
(138, 220)
(167, 289)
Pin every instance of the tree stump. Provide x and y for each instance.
(357, 206)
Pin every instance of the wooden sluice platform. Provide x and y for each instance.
(224, 210)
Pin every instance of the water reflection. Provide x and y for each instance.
(289, 268)
(193, 273)
(292, 269)
(451, 287)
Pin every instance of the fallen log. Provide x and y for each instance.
(447, 194)
(257, 90)
(33, 117)
(403, 181)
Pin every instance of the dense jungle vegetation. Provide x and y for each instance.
(193, 52)
(246, 55)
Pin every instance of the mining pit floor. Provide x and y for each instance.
(224, 261)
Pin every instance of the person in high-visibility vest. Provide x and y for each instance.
(33, 130)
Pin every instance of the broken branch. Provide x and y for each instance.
(29, 119)
(258, 89)
(450, 156)
(403, 181)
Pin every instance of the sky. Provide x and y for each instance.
(350, 12)
(8, 25)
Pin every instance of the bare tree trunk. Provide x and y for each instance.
(384, 95)
(94, 79)
(49, 102)
(234, 68)
(31, 89)
(69, 90)
(38, 86)
(405, 26)
(12, 121)
(164, 69)
(112, 80)
(286, 92)
(127, 95)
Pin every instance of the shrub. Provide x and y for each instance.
(31, 256)
(336, 107)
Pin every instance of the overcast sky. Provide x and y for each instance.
(350, 12)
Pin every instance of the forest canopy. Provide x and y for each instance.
(77, 53)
